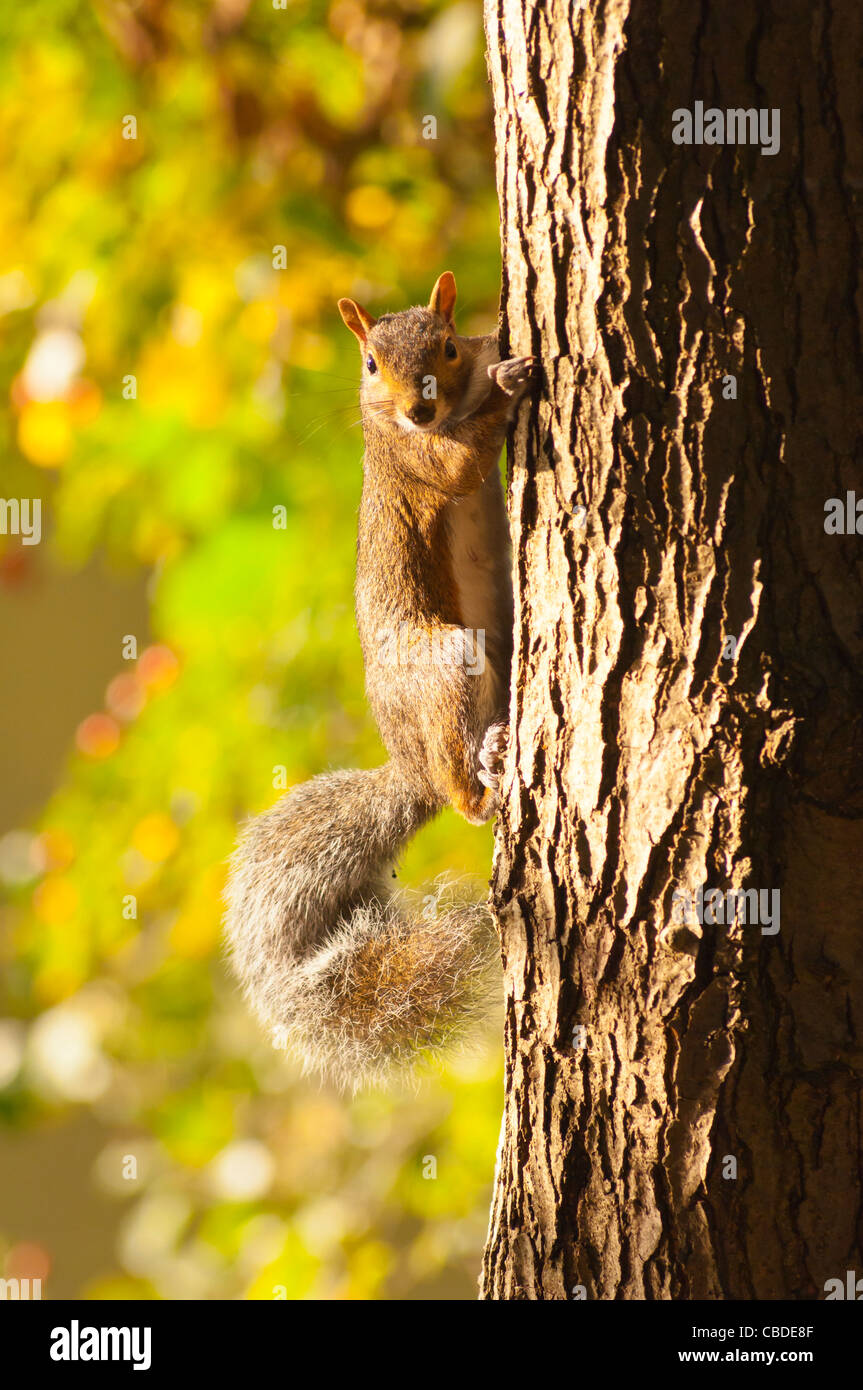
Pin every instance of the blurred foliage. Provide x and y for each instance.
(155, 258)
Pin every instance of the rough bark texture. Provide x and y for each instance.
(642, 761)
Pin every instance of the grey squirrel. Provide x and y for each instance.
(332, 967)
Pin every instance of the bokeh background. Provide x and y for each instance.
(167, 379)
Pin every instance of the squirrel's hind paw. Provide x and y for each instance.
(492, 755)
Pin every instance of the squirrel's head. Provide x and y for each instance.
(416, 371)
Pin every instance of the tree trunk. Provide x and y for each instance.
(683, 1102)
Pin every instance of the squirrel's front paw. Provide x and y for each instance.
(514, 375)
(492, 755)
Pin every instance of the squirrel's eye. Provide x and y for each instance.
(371, 364)
(450, 350)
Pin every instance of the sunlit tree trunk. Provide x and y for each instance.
(683, 1103)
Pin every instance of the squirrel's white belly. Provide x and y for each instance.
(474, 564)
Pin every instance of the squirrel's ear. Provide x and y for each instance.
(443, 296)
(358, 319)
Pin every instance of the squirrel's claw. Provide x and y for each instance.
(492, 755)
(513, 375)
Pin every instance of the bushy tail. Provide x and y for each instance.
(333, 969)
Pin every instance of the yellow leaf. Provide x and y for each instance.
(55, 900)
(45, 433)
(156, 837)
(370, 207)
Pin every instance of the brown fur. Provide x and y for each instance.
(327, 960)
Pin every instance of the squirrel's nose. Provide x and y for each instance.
(421, 413)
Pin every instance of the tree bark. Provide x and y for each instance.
(683, 1099)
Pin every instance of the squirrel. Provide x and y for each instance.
(330, 963)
